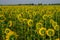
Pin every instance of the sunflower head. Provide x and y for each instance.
(42, 31)
(30, 22)
(10, 35)
(10, 23)
(2, 18)
(54, 24)
(30, 16)
(57, 39)
(51, 21)
(7, 30)
(39, 25)
(50, 32)
(57, 27)
(49, 14)
(45, 17)
(19, 16)
(24, 20)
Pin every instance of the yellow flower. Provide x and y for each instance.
(25, 20)
(7, 30)
(39, 25)
(42, 31)
(50, 32)
(19, 16)
(20, 19)
(10, 23)
(49, 14)
(2, 18)
(57, 27)
(30, 22)
(10, 33)
(53, 22)
(45, 17)
(57, 39)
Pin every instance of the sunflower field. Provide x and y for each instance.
(30, 22)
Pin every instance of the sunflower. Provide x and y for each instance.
(19, 16)
(57, 39)
(20, 19)
(42, 31)
(53, 22)
(50, 32)
(24, 20)
(7, 30)
(45, 17)
(30, 15)
(11, 35)
(49, 15)
(30, 22)
(10, 23)
(57, 27)
(39, 25)
(2, 18)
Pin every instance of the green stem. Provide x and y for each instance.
(50, 38)
(43, 38)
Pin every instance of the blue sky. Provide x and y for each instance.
(28, 1)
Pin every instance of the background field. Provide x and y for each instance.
(27, 22)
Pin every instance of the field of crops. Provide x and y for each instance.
(30, 22)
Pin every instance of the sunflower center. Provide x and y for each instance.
(50, 32)
(7, 31)
(43, 31)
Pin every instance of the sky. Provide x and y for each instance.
(28, 1)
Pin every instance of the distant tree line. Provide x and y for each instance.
(40, 4)
(33, 4)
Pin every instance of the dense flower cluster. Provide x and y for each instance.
(29, 23)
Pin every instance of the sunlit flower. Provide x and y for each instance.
(57, 39)
(54, 24)
(2, 18)
(57, 27)
(7, 30)
(10, 23)
(11, 35)
(39, 25)
(45, 17)
(50, 32)
(19, 16)
(25, 21)
(30, 22)
(42, 31)
(49, 14)
(51, 21)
